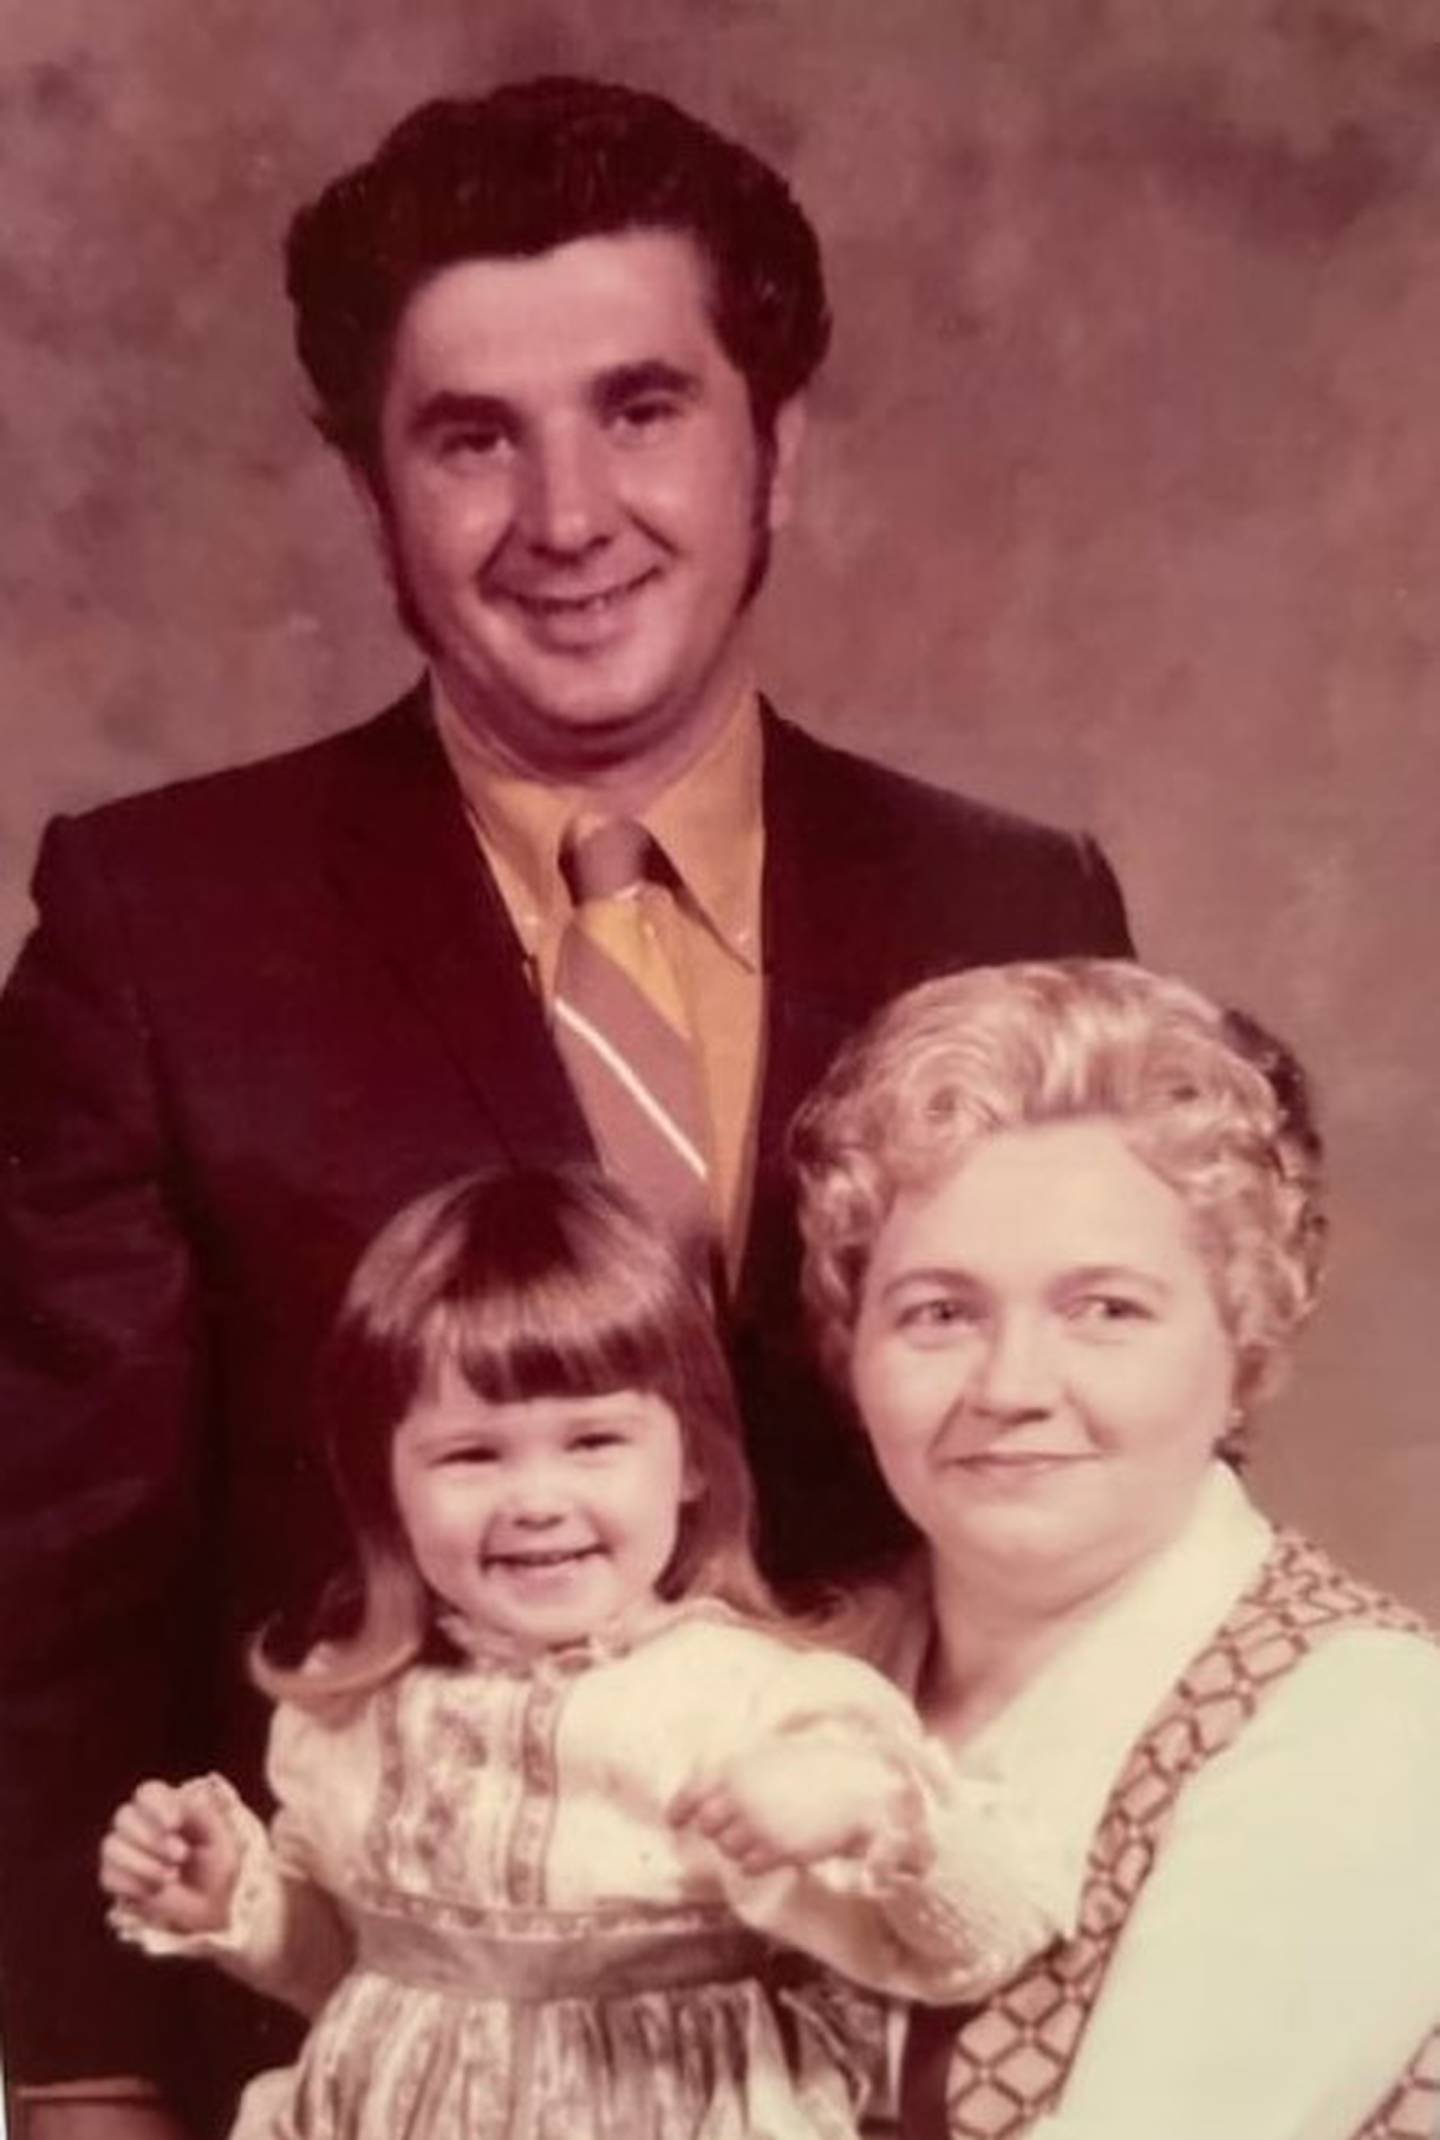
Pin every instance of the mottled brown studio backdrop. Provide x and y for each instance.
(1123, 506)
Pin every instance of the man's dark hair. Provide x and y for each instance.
(529, 167)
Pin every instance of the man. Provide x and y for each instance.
(561, 337)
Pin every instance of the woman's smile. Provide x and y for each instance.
(1040, 1359)
(1019, 1464)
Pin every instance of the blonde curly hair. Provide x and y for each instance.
(1210, 1101)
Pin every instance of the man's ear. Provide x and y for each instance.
(369, 491)
(372, 505)
(788, 438)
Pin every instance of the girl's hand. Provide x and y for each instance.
(170, 1856)
(794, 1799)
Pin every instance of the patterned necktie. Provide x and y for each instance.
(621, 1028)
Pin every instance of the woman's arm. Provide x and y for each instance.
(838, 1828)
(1283, 1961)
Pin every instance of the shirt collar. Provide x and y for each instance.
(708, 821)
(1061, 1741)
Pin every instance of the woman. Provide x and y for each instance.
(1062, 1225)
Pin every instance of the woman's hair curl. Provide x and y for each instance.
(1209, 1100)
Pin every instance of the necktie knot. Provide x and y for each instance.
(601, 858)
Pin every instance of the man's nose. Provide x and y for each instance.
(1015, 1375)
(568, 506)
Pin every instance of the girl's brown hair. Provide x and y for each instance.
(541, 1283)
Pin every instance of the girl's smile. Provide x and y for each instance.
(542, 1520)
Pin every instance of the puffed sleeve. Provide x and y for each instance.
(284, 1936)
(960, 1884)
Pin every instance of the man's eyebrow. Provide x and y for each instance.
(652, 375)
(449, 407)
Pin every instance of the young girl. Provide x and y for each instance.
(549, 1805)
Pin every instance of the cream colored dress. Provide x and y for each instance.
(473, 1886)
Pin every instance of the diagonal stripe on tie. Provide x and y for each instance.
(625, 1077)
(621, 1029)
(598, 994)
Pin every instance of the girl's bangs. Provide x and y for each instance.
(561, 1334)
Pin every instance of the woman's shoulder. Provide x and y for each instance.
(1385, 1678)
(1312, 1632)
(1337, 1761)
(1358, 1705)
(1321, 1595)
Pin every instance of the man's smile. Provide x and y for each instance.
(536, 602)
(580, 622)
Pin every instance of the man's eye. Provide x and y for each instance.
(473, 442)
(647, 414)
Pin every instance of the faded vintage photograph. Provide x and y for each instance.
(717, 1125)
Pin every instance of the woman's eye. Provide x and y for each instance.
(471, 1453)
(1106, 1310)
(940, 1311)
(598, 1438)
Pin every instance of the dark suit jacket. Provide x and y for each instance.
(260, 1011)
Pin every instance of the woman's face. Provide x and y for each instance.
(1040, 1362)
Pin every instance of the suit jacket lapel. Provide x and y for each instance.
(802, 931)
(812, 988)
(405, 861)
